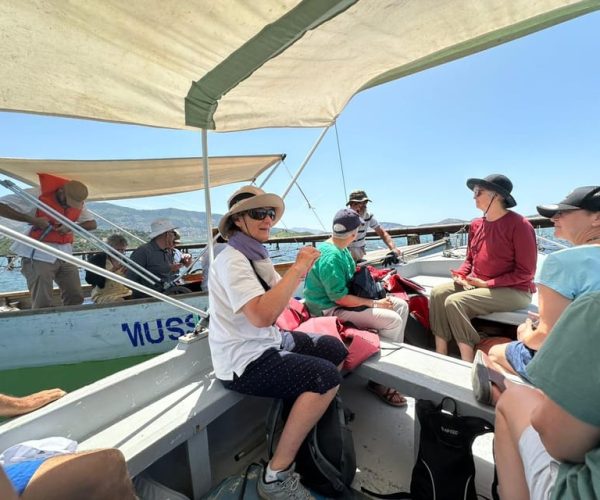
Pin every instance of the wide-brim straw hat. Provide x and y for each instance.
(498, 183)
(247, 198)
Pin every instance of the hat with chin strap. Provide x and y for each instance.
(497, 183)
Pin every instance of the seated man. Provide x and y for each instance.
(497, 274)
(326, 293)
(157, 257)
(547, 439)
(106, 290)
(250, 355)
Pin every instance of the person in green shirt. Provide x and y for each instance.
(547, 439)
(326, 293)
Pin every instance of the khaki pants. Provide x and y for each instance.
(389, 323)
(451, 309)
(40, 277)
(358, 253)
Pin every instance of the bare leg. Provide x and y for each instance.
(467, 352)
(513, 416)
(93, 475)
(497, 356)
(441, 345)
(306, 412)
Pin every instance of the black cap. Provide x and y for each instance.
(587, 197)
(345, 221)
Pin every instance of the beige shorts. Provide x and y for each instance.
(540, 468)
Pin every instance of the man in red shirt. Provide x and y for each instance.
(497, 274)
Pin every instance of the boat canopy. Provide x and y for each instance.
(236, 64)
(120, 179)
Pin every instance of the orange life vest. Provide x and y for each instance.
(48, 186)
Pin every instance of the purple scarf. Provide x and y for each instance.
(251, 248)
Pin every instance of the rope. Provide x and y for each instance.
(337, 140)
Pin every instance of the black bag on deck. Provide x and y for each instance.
(445, 469)
(326, 460)
(364, 285)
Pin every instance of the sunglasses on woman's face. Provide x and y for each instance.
(261, 213)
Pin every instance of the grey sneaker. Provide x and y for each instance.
(287, 486)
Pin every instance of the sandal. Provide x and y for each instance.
(388, 395)
(483, 379)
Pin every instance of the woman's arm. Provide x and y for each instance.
(263, 311)
(551, 305)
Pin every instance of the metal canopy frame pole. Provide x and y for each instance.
(272, 171)
(208, 208)
(126, 261)
(123, 230)
(11, 233)
(304, 163)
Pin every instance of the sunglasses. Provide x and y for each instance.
(261, 213)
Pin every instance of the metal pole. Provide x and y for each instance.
(98, 270)
(310, 153)
(272, 171)
(211, 253)
(126, 261)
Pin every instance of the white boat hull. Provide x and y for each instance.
(66, 335)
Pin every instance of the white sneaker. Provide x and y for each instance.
(287, 486)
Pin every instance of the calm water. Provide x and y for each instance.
(11, 280)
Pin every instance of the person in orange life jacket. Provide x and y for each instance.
(357, 201)
(39, 268)
(157, 256)
(497, 274)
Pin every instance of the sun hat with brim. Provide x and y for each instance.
(76, 193)
(161, 226)
(358, 196)
(498, 183)
(586, 197)
(247, 198)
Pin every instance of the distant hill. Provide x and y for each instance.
(445, 221)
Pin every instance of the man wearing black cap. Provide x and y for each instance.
(39, 268)
(357, 201)
(327, 294)
(497, 274)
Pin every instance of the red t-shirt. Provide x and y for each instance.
(503, 253)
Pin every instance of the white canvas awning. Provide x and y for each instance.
(120, 179)
(239, 64)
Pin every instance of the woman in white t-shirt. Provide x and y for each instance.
(250, 355)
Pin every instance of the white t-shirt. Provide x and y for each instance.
(234, 341)
(19, 204)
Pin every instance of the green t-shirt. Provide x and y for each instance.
(328, 279)
(567, 369)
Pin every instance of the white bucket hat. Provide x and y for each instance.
(246, 198)
(160, 226)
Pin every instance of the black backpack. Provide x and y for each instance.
(364, 285)
(326, 460)
(445, 469)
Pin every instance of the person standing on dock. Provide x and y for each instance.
(497, 274)
(39, 268)
(357, 201)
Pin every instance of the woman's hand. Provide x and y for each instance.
(305, 259)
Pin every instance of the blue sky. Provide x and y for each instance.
(529, 109)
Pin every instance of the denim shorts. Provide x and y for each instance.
(519, 356)
(305, 363)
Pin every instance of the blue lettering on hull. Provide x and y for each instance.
(141, 333)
